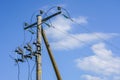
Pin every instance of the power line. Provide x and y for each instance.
(49, 11)
(72, 36)
(18, 71)
(69, 17)
(31, 72)
(69, 35)
(111, 44)
(29, 77)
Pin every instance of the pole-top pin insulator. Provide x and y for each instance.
(26, 24)
(59, 8)
(41, 11)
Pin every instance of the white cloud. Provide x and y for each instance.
(89, 77)
(80, 20)
(73, 41)
(103, 62)
(62, 39)
(116, 78)
(61, 24)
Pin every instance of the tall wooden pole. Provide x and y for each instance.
(51, 56)
(38, 55)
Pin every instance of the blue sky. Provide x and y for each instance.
(86, 49)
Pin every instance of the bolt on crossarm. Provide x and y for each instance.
(51, 56)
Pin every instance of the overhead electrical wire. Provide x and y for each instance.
(108, 42)
(24, 37)
(31, 72)
(64, 16)
(24, 42)
(69, 17)
(45, 14)
(69, 35)
(51, 25)
(18, 66)
(31, 30)
(73, 37)
(18, 75)
(31, 19)
(29, 77)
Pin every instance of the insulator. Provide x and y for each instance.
(16, 51)
(33, 53)
(65, 16)
(31, 31)
(38, 44)
(25, 47)
(47, 24)
(19, 60)
(28, 56)
(19, 51)
(59, 8)
(34, 43)
(28, 47)
(41, 11)
(26, 24)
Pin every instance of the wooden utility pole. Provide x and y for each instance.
(38, 55)
(51, 56)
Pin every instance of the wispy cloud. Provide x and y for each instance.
(90, 77)
(62, 39)
(73, 41)
(81, 20)
(103, 62)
